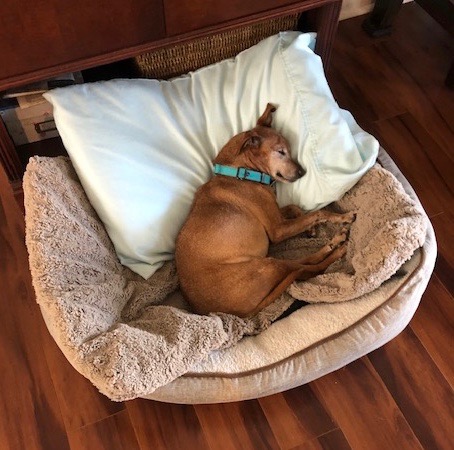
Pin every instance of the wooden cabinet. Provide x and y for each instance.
(189, 15)
(40, 39)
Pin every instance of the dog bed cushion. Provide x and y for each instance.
(133, 337)
(142, 147)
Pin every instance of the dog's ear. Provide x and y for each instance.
(253, 140)
(267, 117)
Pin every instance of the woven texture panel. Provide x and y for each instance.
(176, 60)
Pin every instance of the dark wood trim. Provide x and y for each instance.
(324, 21)
(8, 156)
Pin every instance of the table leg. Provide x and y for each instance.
(379, 22)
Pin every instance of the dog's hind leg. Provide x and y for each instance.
(253, 284)
(309, 267)
(310, 270)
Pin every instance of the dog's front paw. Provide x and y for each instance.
(348, 217)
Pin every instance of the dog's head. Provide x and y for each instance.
(263, 149)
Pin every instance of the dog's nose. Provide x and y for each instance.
(301, 172)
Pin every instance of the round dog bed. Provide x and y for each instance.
(134, 338)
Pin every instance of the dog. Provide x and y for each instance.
(221, 250)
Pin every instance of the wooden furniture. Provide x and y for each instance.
(380, 21)
(43, 39)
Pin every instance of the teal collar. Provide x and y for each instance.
(243, 173)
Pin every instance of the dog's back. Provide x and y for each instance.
(223, 231)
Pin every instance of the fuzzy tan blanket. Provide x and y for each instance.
(127, 335)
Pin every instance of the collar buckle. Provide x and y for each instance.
(243, 173)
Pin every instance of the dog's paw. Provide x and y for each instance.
(348, 217)
(345, 233)
(339, 239)
(340, 251)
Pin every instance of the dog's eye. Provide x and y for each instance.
(281, 152)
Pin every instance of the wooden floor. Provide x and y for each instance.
(398, 397)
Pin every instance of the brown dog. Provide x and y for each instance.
(221, 250)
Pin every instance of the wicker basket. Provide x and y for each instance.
(179, 59)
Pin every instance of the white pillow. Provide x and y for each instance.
(142, 147)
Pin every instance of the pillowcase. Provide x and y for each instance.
(142, 147)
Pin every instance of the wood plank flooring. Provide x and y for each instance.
(398, 397)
